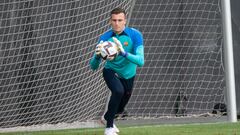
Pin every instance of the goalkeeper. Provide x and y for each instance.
(120, 72)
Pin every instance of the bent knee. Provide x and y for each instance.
(118, 92)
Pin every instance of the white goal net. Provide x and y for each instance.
(183, 74)
(46, 45)
(45, 48)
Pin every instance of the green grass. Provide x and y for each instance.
(188, 129)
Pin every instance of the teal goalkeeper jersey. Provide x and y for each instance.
(125, 67)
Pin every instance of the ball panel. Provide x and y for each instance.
(108, 50)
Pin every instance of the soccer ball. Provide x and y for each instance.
(108, 50)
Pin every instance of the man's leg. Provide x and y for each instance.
(128, 87)
(117, 91)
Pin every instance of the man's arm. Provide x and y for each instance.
(138, 56)
(95, 62)
(137, 59)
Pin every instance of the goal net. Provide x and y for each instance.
(45, 48)
(183, 74)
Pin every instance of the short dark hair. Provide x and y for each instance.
(118, 10)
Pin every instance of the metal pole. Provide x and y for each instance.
(229, 62)
(130, 12)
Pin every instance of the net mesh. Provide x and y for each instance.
(183, 74)
(45, 48)
(45, 51)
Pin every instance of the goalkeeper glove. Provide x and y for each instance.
(98, 50)
(120, 47)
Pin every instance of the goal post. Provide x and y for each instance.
(46, 46)
(229, 61)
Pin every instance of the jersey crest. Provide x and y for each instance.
(125, 43)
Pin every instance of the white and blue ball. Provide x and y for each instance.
(108, 50)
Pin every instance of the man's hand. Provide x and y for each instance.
(97, 50)
(120, 47)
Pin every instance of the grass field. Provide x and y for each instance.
(188, 129)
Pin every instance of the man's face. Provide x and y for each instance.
(118, 22)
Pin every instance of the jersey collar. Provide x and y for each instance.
(122, 33)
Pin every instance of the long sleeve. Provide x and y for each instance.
(95, 62)
(137, 59)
